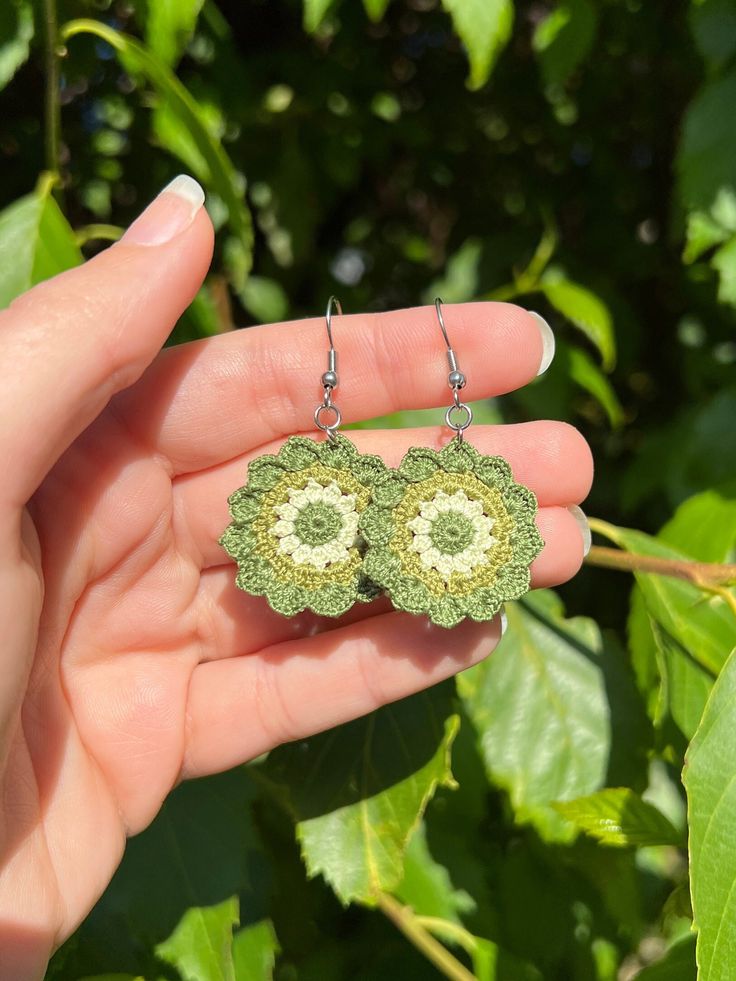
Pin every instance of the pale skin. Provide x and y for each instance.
(128, 659)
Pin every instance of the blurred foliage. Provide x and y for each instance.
(578, 157)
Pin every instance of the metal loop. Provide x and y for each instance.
(329, 428)
(459, 427)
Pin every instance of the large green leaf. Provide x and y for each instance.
(16, 34)
(618, 816)
(584, 309)
(543, 708)
(484, 27)
(169, 26)
(217, 169)
(564, 38)
(36, 242)
(359, 791)
(711, 791)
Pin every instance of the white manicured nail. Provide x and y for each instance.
(504, 621)
(169, 214)
(548, 342)
(582, 522)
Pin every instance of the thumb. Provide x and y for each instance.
(73, 341)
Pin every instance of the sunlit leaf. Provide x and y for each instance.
(484, 27)
(376, 8)
(540, 709)
(618, 816)
(222, 176)
(16, 34)
(358, 792)
(711, 791)
(564, 38)
(315, 12)
(584, 309)
(459, 282)
(169, 26)
(36, 242)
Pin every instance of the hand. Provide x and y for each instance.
(129, 659)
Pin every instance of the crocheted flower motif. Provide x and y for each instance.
(450, 534)
(294, 530)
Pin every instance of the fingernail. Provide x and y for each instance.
(548, 342)
(582, 522)
(504, 621)
(168, 214)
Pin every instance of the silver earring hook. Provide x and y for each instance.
(456, 380)
(329, 378)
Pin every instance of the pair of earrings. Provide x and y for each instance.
(447, 534)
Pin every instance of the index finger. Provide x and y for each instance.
(209, 401)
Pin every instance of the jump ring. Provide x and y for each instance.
(329, 428)
(459, 427)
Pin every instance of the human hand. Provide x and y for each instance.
(130, 661)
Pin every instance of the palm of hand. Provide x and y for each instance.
(147, 664)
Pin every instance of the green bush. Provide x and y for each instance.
(529, 821)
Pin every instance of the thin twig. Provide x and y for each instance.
(404, 918)
(703, 574)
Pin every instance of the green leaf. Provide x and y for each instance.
(484, 27)
(703, 233)
(36, 242)
(359, 791)
(711, 792)
(706, 158)
(426, 885)
(724, 262)
(169, 26)
(618, 816)
(704, 526)
(678, 964)
(540, 709)
(583, 309)
(460, 280)
(376, 8)
(564, 39)
(581, 368)
(315, 12)
(16, 34)
(265, 298)
(221, 175)
(701, 623)
(713, 25)
(200, 945)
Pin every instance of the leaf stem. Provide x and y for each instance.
(107, 233)
(404, 918)
(52, 107)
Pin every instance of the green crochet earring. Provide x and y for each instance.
(449, 533)
(294, 529)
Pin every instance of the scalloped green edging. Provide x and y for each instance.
(450, 534)
(294, 529)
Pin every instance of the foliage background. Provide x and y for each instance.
(574, 156)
